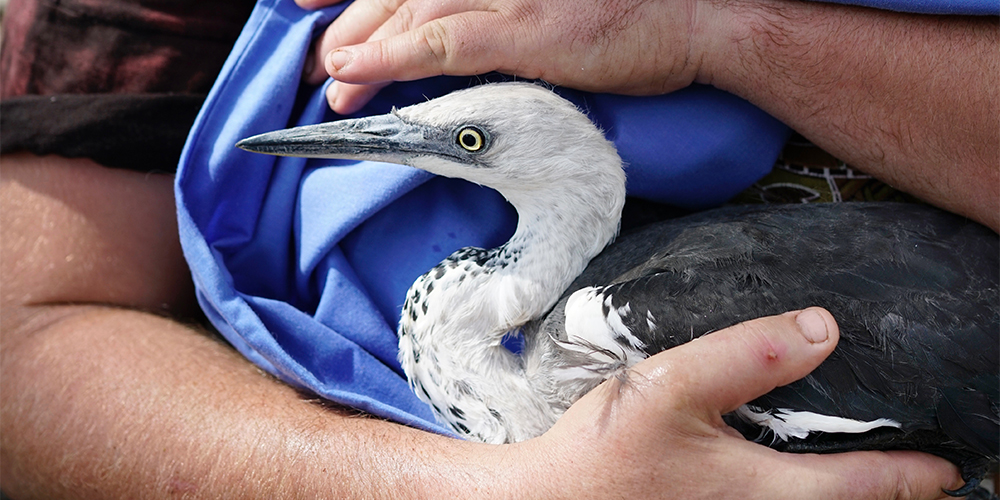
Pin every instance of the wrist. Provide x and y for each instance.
(424, 465)
(715, 32)
(724, 41)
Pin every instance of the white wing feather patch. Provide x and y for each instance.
(586, 324)
(798, 424)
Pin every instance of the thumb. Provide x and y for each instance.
(459, 45)
(723, 370)
(730, 367)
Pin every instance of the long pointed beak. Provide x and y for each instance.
(380, 138)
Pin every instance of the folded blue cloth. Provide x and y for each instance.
(963, 7)
(303, 265)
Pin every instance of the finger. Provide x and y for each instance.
(427, 51)
(412, 14)
(316, 4)
(347, 98)
(723, 370)
(355, 25)
(898, 475)
(912, 475)
(373, 20)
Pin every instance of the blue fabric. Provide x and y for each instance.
(303, 264)
(966, 7)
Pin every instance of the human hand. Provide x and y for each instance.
(630, 47)
(660, 432)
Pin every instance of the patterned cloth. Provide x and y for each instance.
(804, 173)
(117, 81)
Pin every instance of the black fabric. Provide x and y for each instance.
(117, 46)
(117, 81)
(143, 132)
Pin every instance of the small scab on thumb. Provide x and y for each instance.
(813, 325)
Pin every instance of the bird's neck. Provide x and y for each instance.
(553, 244)
(457, 314)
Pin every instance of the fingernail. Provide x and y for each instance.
(339, 58)
(813, 326)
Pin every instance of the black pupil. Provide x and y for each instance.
(469, 139)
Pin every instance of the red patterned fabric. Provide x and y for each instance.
(119, 82)
(106, 46)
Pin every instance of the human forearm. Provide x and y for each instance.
(910, 99)
(111, 403)
(105, 403)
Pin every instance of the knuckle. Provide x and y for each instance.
(888, 484)
(404, 18)
(670, 381)
(437, 40)
(900, 489)
(387, 7)
(379, 12)
(383, 54)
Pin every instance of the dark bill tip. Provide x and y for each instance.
(268, 143)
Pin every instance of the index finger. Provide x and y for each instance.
(462, 44)
(896, 475)
(354, 25)
(372, 20)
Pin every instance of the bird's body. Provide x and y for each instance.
(914, 290)
(911, 288)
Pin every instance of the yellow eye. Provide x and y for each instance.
(471, 139)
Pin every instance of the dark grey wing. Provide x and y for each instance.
(914, 290)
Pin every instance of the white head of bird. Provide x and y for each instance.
(566, 182)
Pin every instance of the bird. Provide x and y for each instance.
(914, 289)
